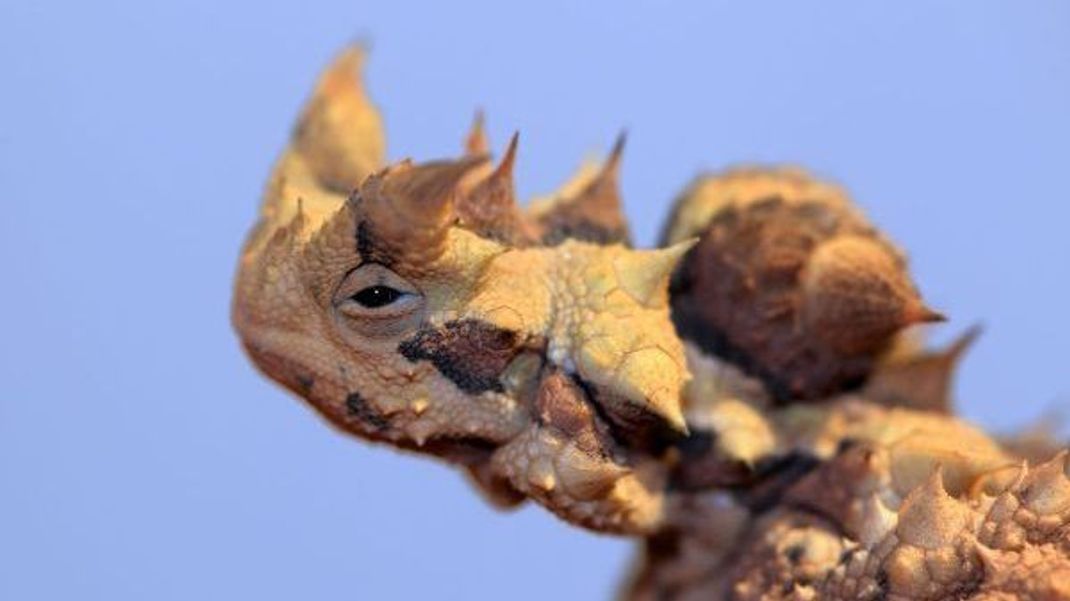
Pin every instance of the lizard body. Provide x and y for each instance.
(743, 399)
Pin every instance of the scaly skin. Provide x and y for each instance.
(744, 399)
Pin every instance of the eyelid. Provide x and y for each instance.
(406, 303)
(367, 275)
(376, 323)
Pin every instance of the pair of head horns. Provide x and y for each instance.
(588, 207)
(416, 203)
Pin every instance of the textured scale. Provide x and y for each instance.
(747, 399)
(789, 281)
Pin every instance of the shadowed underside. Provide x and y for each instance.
(744, 398)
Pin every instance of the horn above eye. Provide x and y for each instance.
(407, 209)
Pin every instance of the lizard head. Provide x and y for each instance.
(418, 305)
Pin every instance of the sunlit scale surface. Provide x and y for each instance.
(749, 399)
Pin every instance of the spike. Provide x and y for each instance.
(642, 374)
(594, 213)
(410, 208)
(586, 476)
(857, 295)
(505, 168)
(992, 561)
(340, 133)
(476, 142)
(929, 517)
(576, 182)
(922, 381)
(957, 349)
(602, 190)
(541, 475)
(612, 166)
(490, 207)
(419, 406)
(1046, 488)
(920, 313)
(426, 191)
(645, 274)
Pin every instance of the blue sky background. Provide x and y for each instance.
(141, 457)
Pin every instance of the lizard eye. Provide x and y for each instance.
(374, 297)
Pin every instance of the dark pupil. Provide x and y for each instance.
(376, 296)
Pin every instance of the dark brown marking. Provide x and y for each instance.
(305, 383)
(882, 585)
(359, 408)
(795, 553)
(562, 404)
(471, 353)
(774, 477)
(558, 230)
(703, 468)
(628, 424)
(367, 248)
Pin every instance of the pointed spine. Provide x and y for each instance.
(645, 274)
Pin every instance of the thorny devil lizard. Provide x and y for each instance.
(744, 399)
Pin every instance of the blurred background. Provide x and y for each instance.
(141, 457)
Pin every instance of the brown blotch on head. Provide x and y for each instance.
(470, 353)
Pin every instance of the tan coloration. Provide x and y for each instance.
(340, 134)
(570, 463)
(921, 380)
(1041, 573)
(711, 194)
(338, 141)
(916, 442)
(408, 210)
(588, 327)
(419, 312)
(789, 281)
(584, 175)
(645, 276)
(724, 410)
(592, 324)
(787, 551)
(476, 143)
(490, 208)
(418, 306)
(588, 208)
(856, 280)
(855, 528)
